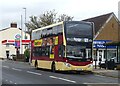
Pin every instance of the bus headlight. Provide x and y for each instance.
(90, 65)
(67, 64)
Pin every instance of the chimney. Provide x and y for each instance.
(13, 25)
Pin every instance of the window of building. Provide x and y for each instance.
(7, 45)
(112, 25)
(111, 54)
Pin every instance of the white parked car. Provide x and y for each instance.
(11, 56)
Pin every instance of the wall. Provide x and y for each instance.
(9, 34)
(110, 31)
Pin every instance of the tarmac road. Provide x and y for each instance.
(17, 73)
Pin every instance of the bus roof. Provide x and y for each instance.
(58, 24)
(47, 26)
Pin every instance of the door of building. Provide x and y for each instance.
(7, 54)
(100, 56)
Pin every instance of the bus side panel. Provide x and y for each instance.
(63, 66)
(44, 64)
(33, 63)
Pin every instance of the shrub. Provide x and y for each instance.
(27, 54)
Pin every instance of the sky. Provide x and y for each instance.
(11, 10)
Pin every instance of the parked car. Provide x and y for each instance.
(110, 64)
(11, 57)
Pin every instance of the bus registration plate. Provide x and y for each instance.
(79, 69)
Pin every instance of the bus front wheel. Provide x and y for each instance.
(53, 68)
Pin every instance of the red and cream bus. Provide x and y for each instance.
(64, 46)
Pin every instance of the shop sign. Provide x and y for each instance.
(100, 44)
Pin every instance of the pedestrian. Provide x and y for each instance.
(106, 64)
(113, 64)
(100, 62)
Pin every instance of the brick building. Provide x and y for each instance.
(106, 31)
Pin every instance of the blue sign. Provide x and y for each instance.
(100, 44)
(17, 37)
(17, 44)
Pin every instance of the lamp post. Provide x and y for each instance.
(25, 21)
(21, 37)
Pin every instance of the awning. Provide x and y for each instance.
(113, 44)
(12, 42)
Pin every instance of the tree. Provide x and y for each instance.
(47, 18)
(34, 23)
(64, 17)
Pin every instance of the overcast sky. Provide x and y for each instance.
(11, 10)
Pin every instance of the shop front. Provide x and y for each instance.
(103, 52)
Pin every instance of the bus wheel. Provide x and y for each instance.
(36, 64)
(53, 69)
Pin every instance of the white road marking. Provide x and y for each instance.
(101, 83)
(106, 76)
(17, 69)
(62, 79)
(34, 73)
(53, 77)
(5, 66)
(11, 82)
(100, 75)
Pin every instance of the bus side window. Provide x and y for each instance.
(61, 51)
(47, 51)
(40, 53)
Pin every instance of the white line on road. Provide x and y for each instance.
(34, 73)
(62, 79)
(11, 82)
(100, 75)
(101, 83)
(17, 69)
(106, 76)
(5, 66)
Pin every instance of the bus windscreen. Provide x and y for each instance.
(79, 36)
(78, 30)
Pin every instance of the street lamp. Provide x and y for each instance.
(21, 37)
(25, 22)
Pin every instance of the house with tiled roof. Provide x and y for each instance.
(106, 28)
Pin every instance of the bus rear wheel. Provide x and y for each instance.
(53, 68)
(36, 64)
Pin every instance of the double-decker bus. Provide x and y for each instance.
(64, 46)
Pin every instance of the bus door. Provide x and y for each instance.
(52, 50)
(53, 47)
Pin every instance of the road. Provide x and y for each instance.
(14, 72)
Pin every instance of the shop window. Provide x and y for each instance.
(111, 54)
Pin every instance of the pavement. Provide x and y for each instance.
(109, 73)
